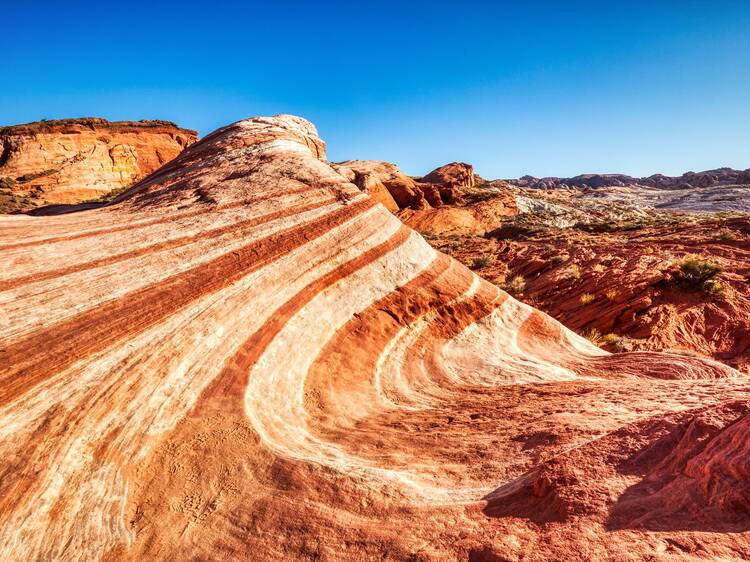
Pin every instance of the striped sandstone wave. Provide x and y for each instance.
(247, 357)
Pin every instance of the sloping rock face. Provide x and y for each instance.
(247, 357)
(383, 182)
(74, 160)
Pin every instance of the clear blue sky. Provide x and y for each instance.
(545, 88)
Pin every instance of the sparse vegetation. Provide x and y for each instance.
(586, 298)
(573, 272)
(714, 287)
(611, 294)
(726, 235)
(13, 203)
(593, 335)
(516, 285)
(481, 262)
(698, 274)
(618, 343)
(560, 258)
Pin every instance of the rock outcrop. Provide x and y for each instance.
(245, 356)
(73, 160)
(447, 204)
(456, 175)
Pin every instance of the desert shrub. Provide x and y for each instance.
(598, 268)
(698, 275)
(593, 335)
(573, 272)
(450, 247)
(479, 263)
(515, 285)
(611, 294)
(617, 342)
(725, 235)
(560, 258)
(587, 298)
(713, 287)
(7, 183)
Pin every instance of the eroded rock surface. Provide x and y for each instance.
(74, 160)
(618, 279)
(445, 202)
(248, 357)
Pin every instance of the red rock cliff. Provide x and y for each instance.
(74, 160)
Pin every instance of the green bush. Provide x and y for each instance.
(698, 275)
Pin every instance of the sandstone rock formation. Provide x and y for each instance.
(73, 160)
(383, 182)
(456, 175)
(247, 357)
(447, 204)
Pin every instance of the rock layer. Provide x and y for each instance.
(73, 160)
(245, 356)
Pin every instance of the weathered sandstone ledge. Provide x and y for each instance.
(73, 160)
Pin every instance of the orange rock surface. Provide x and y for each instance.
(74, 160)
(247, 357)
(625, 283)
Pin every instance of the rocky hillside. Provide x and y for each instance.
(74, 160)
(246, 356)
(614, 271)
(709, 178)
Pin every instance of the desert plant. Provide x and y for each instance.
(515, 285)
(593, 335)
(725, 235)
(479, 263)
(7, 183)
(611, 294)
(617, 342)
(587, 298)
(573, 272)
(696, 274)
(714, 287)
(598, 268)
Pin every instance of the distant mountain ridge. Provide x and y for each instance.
(708, 178)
